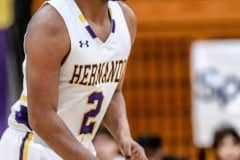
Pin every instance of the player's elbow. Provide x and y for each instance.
(34, 124)
(35, 121)
(38, 120)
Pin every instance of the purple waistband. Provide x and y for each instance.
(22, 116)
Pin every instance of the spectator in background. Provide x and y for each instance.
(153, 147)
(227, 144)
(105, 146)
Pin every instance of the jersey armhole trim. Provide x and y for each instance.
(68, 32)
(126, 23)
(67, 55)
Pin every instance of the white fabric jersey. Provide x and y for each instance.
(89, 76)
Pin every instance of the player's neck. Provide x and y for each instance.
(94, 10)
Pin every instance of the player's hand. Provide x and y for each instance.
(132, 150)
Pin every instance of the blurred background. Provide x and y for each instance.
(183, 78)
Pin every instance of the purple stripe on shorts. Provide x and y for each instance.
(91, 32)
(22, 146)
(22, 116)
(113, 26)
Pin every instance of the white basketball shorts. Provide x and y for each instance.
(17, 145)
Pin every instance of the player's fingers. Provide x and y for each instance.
(126, 150)
(138, 153)
(135, 150)
(138, 149)
(139, 157)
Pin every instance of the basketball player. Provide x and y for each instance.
(76, 54)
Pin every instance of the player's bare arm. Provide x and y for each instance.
(46, 45)
(116, 118)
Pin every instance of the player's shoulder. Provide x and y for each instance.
(47, 20)
(47, 33)
(128, 12)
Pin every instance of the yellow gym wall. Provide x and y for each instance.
(6, 16)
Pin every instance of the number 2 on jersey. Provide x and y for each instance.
(87, 126)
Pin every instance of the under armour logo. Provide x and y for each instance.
(84, 44)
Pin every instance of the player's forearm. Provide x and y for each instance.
(53, 130)
(116, 118)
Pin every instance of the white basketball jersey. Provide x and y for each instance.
(89, 75)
